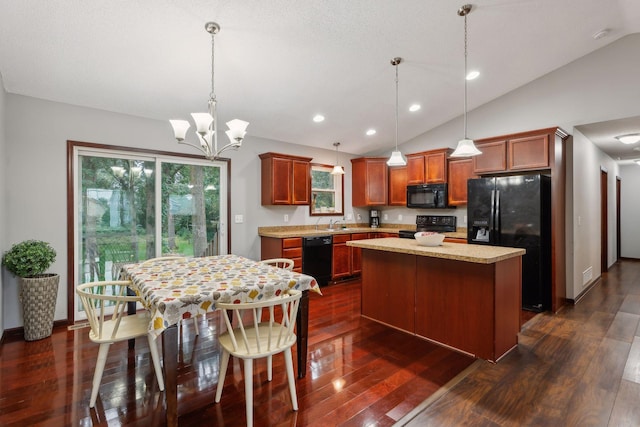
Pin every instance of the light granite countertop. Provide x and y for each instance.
(283, 232)
(480, 254)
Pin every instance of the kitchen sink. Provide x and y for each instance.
(333, 230)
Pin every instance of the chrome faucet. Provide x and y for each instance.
(333, 223)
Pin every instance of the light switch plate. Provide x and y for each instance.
(286, 218)
(239, 219)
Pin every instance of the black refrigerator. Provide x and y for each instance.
(515, 211)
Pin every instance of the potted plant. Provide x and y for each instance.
(29, 261)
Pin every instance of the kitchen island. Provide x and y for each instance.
(466, 297)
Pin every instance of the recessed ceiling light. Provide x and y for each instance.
(371, 132)
(473, 75)
(630, 138)
(414, 107)
(318, 118)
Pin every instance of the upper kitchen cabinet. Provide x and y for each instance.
(369, 181)
(285, 179)
(427, 167)
(460, 171)
(398, 186)
(521, 152)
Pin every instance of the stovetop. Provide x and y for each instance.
(438, 223)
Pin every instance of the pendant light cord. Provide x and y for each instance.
(212, 95)
(397, 105)
(465, 76)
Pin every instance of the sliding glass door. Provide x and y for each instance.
(131, 207)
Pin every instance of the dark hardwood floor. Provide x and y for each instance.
(580, 367)
(359, 373)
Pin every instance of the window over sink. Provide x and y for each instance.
(327, 191)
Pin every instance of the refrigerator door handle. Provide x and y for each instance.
(492, 216)
(496, 220)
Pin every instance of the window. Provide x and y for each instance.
(129, 206)
(326, 191)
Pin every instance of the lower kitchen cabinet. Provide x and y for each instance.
(356, 253)
(341, 260)
(271, 247)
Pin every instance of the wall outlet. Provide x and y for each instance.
(385, 217)
(286, 218)
(349, 217)
(399, 217)
(465, 220)
(239, 219)
(359, 217)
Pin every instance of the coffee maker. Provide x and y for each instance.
(374, 218)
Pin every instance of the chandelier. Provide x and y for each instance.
(207, 123)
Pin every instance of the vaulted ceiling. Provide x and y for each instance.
(280, 62)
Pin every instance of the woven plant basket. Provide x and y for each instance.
(38, 296)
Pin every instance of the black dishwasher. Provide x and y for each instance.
(316, 258)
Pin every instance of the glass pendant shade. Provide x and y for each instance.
(337, 170)
(203, 122)
(237, 130)
(465, 148)
(180, 128)
(396, 159)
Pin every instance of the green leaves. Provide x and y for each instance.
(29, 258)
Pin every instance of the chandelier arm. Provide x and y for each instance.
(199, 147)
(234, 144)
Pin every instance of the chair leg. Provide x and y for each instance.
(248, 389)
(288, 361)
(97, 374)
(269, 368)
(155, 358)
(224, 362)
(195, 325)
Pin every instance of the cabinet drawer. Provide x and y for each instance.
(292, 253)
(341, 238)
(292, 242)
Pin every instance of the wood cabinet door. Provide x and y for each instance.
(436, 168)
(529, 153)
(492, 159)
(460, 171)
(415, 169)
(281, 181)
(301, 183)
(398, 186)
(341, 261)
(369, 181)
(356, 253)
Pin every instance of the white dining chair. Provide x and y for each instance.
(254, 338)
(106, 329)
(173, 258)
(285, 263)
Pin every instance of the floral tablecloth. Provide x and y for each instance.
(181, 289)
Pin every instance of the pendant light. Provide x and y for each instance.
(337, 169)
(466, 147)
(396, 159)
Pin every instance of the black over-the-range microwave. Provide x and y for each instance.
(427, 196)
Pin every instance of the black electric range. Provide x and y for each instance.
(438, 223)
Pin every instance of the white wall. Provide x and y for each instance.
(629, 211)
(36, 193)
(3, 199)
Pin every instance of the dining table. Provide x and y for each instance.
(177, 289)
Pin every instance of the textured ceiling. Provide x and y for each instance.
(279, 62)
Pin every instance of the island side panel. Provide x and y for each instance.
(508, 302)
(388, 288)
(455, 304)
